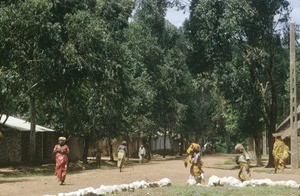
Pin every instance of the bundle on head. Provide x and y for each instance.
(239, 148)
(192, 148)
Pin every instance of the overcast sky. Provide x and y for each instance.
(177, 17)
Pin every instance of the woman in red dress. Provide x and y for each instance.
(61, 151)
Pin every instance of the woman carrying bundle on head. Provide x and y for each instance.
(280, 153)
(194, 158)
(243, 159)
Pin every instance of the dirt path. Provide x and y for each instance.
(218, 165)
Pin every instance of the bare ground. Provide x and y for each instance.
(220, 165)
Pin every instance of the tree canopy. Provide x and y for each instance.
(100, 69)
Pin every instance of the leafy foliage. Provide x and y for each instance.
(100, 68)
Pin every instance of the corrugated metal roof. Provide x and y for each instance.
(286, 121)
(22, 125)
(285, 132)
(284, 129)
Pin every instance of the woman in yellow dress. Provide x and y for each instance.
(280, 153)
(194, 158)
(243, 159)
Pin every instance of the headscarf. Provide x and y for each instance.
(62, 139)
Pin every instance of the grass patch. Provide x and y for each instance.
(225, 190)
(230, 162)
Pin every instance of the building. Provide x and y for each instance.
(14, 146)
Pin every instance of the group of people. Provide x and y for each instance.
(280, 153)
(122, 150)
(61, 151)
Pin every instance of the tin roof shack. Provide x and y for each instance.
(284, 131)
(14, 146)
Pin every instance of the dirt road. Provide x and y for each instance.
(218, 165)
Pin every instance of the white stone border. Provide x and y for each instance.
(231, 181)
(110, 189)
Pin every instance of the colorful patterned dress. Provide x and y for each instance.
(243, 159)
(196, 168)
(61, 158)
(280, 153)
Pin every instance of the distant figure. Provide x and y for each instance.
(243, 159)
(207, 148)
(142, 153)
(61, 151)
(122, 150)
(98, 158)
(280, 153)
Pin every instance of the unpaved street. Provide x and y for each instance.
(152, 171)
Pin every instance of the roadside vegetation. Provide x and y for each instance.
(103, 69)
(224, 191)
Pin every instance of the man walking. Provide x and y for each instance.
(142, 153)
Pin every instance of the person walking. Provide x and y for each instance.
(61, 151)
(122, 150)
(98, 158)
(280, 153)
(194, 158)
(196, 167)
(243, 159)
(142, 153)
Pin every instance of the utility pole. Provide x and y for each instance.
(293, 101)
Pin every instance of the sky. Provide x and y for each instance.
(177, 17)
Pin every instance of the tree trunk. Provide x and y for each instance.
(272, 117)
(197, 137)
(271, 141)
(228, 143)
(111, 155)
(127, 145)
(274, 94)
(86, 149)
(138, 144)
(257, 149)
(181, 145)
(65, 108)
(32, 139)
(149, 148)
(165, 147)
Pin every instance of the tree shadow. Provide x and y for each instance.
(13, 180)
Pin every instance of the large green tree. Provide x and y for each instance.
(95, 46)
(27, 35)
(219, 29)
(164, 60)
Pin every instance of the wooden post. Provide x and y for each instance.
(293, 101)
